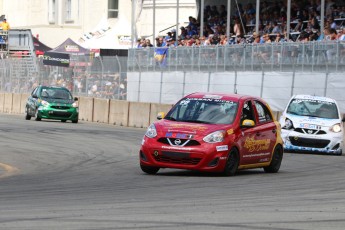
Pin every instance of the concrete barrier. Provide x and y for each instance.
(2, 101)
(156, 108)
(23, 101)
(16, 102)
(118, 112)
(101, 110)
(85, 108)
(8, 103)
(139, 114)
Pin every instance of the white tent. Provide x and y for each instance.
(106, 37)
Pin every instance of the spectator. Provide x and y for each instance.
(238, 29)
(5, 25)
(276, 28)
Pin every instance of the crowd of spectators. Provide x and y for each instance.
(305, 25)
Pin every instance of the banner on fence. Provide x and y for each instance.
(56, 59)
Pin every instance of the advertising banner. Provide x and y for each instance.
(56, 59)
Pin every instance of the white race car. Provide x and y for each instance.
(312, 124)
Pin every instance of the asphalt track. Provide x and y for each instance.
(86, 176)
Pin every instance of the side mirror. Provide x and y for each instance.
(248, 123)
(75, 99)
(343, 120)
(34, 96)
(160, 115)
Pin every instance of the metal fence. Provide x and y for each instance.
(327, 56)
(106, 77)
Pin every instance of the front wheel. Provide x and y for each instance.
(232, 163)
(149, 169)
(75, 121)
(276, 160)
(38, 118)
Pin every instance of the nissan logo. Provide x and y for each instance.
(177, 142)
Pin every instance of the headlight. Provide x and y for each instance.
(151, 131)
(44, 103)
(75, 105)
(288, 124)
(215, 137)
(336, 128)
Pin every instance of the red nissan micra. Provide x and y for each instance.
(215, 133)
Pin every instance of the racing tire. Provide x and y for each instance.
(149, 169)
(27, 116)
(75, 121)
(232, 163)
(37, 118)
(63, 120)
(276, 160)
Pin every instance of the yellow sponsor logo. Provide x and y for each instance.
(256, 145)
(230, 131)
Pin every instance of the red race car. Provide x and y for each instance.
(214, 133)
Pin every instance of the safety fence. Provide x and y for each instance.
(325, 56)
(107, 77)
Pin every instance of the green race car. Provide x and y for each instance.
(52, 102)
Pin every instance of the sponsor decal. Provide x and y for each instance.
(222, 148)
(256, 145)
(194, 128)
(176, 148)
(222, 158)
(230, 131)
(256, 155)
(264, 159)
(212, 96)
(179, 135)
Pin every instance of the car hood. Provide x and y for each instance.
(298, 121)
(187, 129)
(58, 101)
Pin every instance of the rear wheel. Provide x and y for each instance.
(276, 160)
(149, 169)
(38, 118)
(232, 163)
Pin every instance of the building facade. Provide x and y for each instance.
(53, 21)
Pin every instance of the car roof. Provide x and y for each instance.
(311, 97)
(223, 96)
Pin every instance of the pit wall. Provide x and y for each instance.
(114, 112)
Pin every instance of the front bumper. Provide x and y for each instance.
(203, 157)
(58, 114)
(331, 143)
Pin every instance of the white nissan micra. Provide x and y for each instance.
(312, 124)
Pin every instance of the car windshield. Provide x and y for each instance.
(204, 110)
(313, 108)
(56, 93)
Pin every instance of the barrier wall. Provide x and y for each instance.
(139, 114)
(16, 103)
(101, 110)
(8, 102)
(23, 99)
(118, 112)
(85, 108)
(2, 100)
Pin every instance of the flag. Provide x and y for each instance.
(160, 55)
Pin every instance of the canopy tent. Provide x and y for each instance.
(106, 37)
(39, 47)
(71, 47)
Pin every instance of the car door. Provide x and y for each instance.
(266, 132)
(248, 138)
(32, 102)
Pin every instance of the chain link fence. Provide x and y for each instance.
(106, 77)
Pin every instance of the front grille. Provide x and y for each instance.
(60, 107)
(310, 131)
(61, 114)
(164, 140)
(177, 160)
(308, 142)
